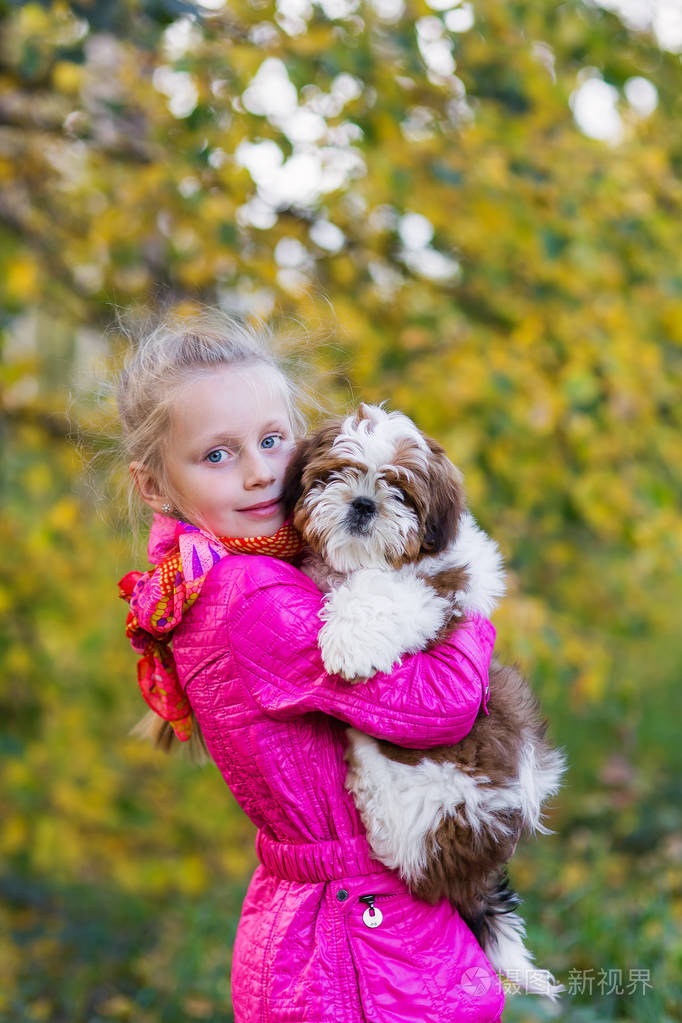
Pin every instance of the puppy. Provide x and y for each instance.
(401, 562)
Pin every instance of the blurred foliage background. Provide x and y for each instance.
(480, 204)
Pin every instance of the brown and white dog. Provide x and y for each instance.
(401, 561)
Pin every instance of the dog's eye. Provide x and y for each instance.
(399, 496)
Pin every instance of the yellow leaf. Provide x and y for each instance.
(117, 1006)
(63, 514)
(34, 19)
(192, 875)
(574, 875)
(14, 834)
(21, 279)
(67, 77)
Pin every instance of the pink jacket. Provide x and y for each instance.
(274, 723)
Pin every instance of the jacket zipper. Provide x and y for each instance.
(373, 917)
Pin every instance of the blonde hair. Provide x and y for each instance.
(164, 359)
(176, 351)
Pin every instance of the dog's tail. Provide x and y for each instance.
(500, 932)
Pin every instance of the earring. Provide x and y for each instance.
(166, 508)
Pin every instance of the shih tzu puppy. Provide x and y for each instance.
(402, 562)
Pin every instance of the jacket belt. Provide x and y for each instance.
(316, 861)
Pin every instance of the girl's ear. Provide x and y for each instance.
(147, 486)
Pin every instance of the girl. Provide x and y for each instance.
(326, 933)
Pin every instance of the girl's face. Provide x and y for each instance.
(229, 444)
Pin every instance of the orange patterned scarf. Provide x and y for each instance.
(182, 556)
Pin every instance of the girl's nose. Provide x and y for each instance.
(257, 471)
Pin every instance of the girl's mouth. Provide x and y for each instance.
(262, 511)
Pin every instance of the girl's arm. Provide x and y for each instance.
(264, 628)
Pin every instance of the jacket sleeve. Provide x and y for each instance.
(266, 625)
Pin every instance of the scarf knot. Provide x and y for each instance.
(182, 555)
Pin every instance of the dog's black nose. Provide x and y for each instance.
(364, 506)
(361, 512)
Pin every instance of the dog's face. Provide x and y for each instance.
(371, 491)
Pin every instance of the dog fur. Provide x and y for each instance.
(401, 561)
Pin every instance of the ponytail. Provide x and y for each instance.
(160, 733)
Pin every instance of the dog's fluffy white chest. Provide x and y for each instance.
(373, 616)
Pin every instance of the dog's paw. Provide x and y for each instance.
(361, 634)
(353, 660)
(375, 617)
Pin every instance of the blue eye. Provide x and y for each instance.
(216, 457)
(271, 441)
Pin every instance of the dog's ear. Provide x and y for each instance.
(292, 485)
(365, 411)
(447, 502)
(307, 455)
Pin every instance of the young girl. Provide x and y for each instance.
(327, 933)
